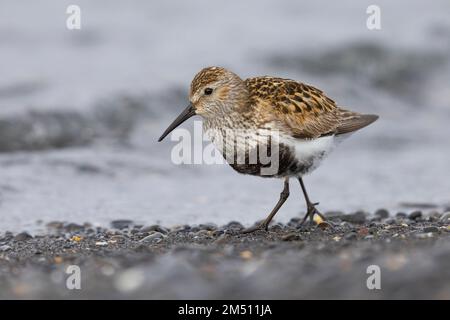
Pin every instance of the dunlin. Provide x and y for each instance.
(306, 123)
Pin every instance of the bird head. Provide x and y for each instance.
(214, 92)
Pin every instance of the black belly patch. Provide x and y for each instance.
(285, 165)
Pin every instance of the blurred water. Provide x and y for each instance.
(80, 111)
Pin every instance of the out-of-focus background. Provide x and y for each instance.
(81, 110)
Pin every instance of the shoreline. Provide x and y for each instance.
(328, 260)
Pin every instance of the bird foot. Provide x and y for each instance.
(258, 227)
(311, 212)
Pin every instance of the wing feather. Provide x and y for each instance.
(302, 109)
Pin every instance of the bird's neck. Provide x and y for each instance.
(233, 119)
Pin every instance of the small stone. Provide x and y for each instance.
(201, 234)
(291, 237)
(118, 238)
(208, 226)
(294, 222)
(276, 227)
(153, 237)
(101, 243)
(434, 216)
(73, 227)
(121, 224)
(351, 236)
(401, 215)
(246, 254)
(363, 231)
(358, 217)
(333, 215)
(431, 229)
(76, 238)
(324, 225)
(415, 215)
(375, 219)
(58, 259)
(234, 225)
(382, 213)
(181, 228)
(222, 239)
(390, 221)
(155, 227)
(424, 235)
(445, 217)
(5, 248)
(194, 228)
(216, 233)
(23, 236)
(373, 230)
(55, 225)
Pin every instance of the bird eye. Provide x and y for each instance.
(208, 91)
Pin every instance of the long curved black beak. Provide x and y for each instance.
(186, 114)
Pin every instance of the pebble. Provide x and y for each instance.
(390, 221)
(430, 229)
(415, 215)
(222, 239)
(71, 227)
(246, 254)
(424, 235)
(363, 231)
(294, 222)
(208, 226)
(375, 219)
(118, 238)
(291, 237)
(5, 248)
(101, 243)
(324, 225)
(201, 234)
(276, 227)
(155, 227)
(445, 217)
(351, 236)
(333, 215)
(55, 225)
(382, 213)
(434, 216)
(233, 225)
(401, 215)
(216, 233)
(121, 224)
(153, 237)
(357, 217)
(23, 236)
(181, 228)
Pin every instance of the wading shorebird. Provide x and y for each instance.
(302, 124)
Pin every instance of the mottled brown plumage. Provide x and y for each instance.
(302, 109)
(302, 121)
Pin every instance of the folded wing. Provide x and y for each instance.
(302, 109)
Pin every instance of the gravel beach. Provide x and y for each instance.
(206, 261)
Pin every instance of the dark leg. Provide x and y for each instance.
(265, 224)
(311, 207)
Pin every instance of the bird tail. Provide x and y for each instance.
(352, 121)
